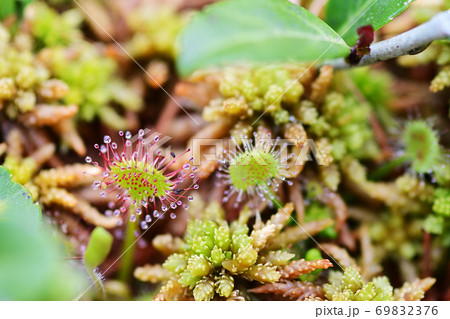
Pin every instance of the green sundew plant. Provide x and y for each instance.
(254, 170)
(422, 146)
(424, 152)
(144, 183)
(142, 176)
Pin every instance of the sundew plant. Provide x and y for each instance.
(225, 150)
(143, 177)
(255, 171)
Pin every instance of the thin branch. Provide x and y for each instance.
(408, 43)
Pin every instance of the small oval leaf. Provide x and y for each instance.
(233, 31)
(98, 247)
(346, 16)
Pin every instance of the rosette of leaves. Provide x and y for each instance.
(214, 256)
(350, 286)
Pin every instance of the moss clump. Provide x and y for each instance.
(24, 80)
(50, 28)
(273, 89)
(438, 222)
(216, 254)
(351, 286)
(93, 84)
(149, 38)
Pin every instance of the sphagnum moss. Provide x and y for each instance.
(351, 286)
(216, 254)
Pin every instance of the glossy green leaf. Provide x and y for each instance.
(32, 263)
(234, 31)
(346, 16)
(16, 202)
(98, 247)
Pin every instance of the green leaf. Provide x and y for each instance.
(234, 31)
(32, 263)
(7, 8)
(346, 16)
(13, 7)
(16, 202)
(21, 6)
(98, 247)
